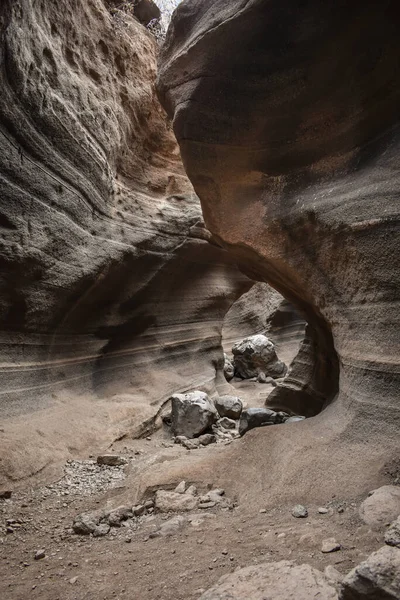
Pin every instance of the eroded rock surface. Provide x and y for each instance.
(276, 580)
(105, 263)
(287, 119)
(377, 578)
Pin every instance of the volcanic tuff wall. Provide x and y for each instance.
(111, 296)
(287, 118)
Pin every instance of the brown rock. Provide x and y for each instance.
(377, 578)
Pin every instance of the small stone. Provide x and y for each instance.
(40, 554)
(322, 510)
(138, 510)
(111, 460)
(208, 504)
(263, 511)
(330, 545)
(192, 490)
(5, 494)
(226, 423)
(180, 488)
(340, 510)
(300, 511)
(206, 439)
(149, 504)
(73, 580)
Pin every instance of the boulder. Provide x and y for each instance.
(111, 460)
(89, 522)
(377, 578)
(229, 406)
(259, 417)
(392, 535)
(166, 501)
(276, 581)
(192, 414)
(382, 506)
(255, 355)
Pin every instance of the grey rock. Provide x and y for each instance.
(191, 444)
(111, 460)
(322, 510)
(257, 417)
(392, 535)
(256, 354)
(300, 511)
(333, 576)
(86, 523)
(295, 419)
(180, 488)
(192, 414)
(206, 439)
(192, 490)
(119, 514)
(229, 406)
(166, 501)
(229, 370)
(273, 581)
(138, 510)
(330, 545)
(172, 526)
(377, 578)
(382, 506)
(5, 494)
(226, 423)
(101, 530)
(40, 554)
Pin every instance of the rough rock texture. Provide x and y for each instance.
(377, 578)
(392, 535)
(111, 295)
(276, 581)
(381, 507)
(229, 406)
(256, 355)
(192, 414)
(287, 119)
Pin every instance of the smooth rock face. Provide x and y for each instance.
(192, 414)
(377, 578)
(287, 119)
(381, 507)
(229, 406)
(109, 285)
(279, 581)
(254, 355)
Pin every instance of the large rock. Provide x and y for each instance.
(276, 581)
(166, 501)
(112, 297)
(255, 355)
(259, 417)
(229, 406)
(377, 578)
(288, 123)
(381, 507)
(192, 414)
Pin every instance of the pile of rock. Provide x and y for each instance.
(255, 357)
(184, 498)
(197, 421)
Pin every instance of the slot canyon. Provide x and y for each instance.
(199, 300)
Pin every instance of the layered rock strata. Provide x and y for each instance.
(111, 295)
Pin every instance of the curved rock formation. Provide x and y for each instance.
(287, 119)
(111, 295)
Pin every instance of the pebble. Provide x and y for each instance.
(322, 510)
(181, 487)
(40, 554)
(300, 511)
(330, 545)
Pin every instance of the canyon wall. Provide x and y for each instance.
(287, 119)
(112, 295)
